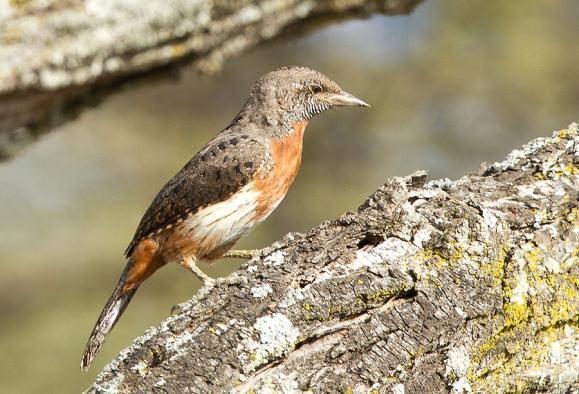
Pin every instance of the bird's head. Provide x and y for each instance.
(292, 94)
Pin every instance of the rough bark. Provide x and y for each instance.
(57, 57)
(440, 286)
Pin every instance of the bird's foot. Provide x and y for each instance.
(208, 282)
(242, 254)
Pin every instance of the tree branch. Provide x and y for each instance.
(428, 287)
(56, 58)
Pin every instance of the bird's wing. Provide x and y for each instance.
(221, 168)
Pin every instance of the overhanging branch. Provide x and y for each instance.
(56, 58)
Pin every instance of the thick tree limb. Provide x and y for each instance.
(429, 287)
(57, 57)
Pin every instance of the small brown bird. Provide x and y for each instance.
(227, 188)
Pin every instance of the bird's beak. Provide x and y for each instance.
(345, 99)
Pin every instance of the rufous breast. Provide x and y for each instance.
(286, 154)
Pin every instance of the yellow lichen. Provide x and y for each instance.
(515, 313)
(458, 252)
(530, 354)
(179, 50)
(495, 267)
(570, 169)
(381, 295)
(308, 308)
(572, 215)
(525, 314)
(335, 310)
(563, 134)
(19, 3)
(433, 257)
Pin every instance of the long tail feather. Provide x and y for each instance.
(109, 316)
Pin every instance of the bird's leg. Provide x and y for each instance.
(242, 254)
(189, 263)
(208, 282)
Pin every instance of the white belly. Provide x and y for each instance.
(223, 222)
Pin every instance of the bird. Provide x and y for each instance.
(233, 183)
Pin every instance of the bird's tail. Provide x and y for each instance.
(109, 316)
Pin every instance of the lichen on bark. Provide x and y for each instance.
(456, 286)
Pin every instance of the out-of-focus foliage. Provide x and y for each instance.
(452, 85)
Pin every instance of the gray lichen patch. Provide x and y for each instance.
(261, 291)
(291, 297)
(278, 383)
(457, 365)
(457, 361)
(277, 337)
(392, 249)
(276, 258)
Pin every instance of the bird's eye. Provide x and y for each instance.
(315, 88)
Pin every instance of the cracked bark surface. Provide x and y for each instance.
(58, 57)
(440, 286)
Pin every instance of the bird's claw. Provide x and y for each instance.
(242, 254)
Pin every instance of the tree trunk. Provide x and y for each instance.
(440, 286)
(58, 57)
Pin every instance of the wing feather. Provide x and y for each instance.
(221, 168)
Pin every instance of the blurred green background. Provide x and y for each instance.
(452, 85)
